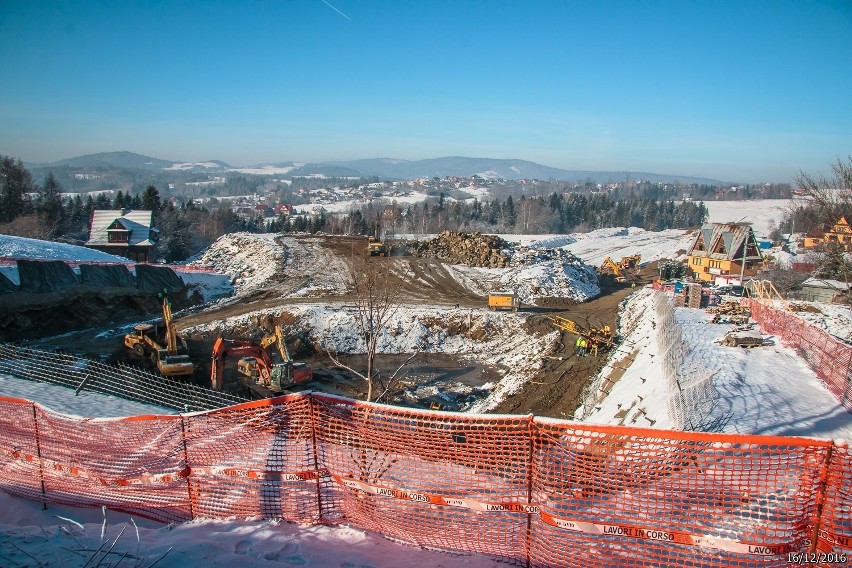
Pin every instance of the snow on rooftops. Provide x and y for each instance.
(137, 223)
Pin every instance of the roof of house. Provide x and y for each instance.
(727, 237)
(137, 222)
(823, 283)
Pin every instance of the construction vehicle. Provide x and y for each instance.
(256, 362)
(504, 301)
(375, 247)
(609, 266)
(596, 337)
(630, 262)
(171, 360)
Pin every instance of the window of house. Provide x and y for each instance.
(697, 261)
(118, 236)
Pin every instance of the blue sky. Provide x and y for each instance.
(747, 91)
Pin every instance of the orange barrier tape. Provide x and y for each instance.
(308, 475)
(78, 472)
(704, 541)
(472, 504)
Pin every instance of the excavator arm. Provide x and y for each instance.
(224, 348)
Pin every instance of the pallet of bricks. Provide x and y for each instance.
(693, 295)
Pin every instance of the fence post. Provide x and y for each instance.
(532, 435)
(821, 497)
(187, 468)
(316, 457)
(40, 464)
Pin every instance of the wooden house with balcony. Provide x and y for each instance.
(840, 232)
(124, 233)
(723, 251)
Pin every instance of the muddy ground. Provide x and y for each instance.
(554, 391)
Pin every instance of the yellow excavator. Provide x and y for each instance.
(609, 266)
(171, 360)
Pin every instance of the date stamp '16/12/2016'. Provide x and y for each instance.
(821, 558)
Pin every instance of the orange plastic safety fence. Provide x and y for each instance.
(20, 466)
(835, 534)
(527, 490)
(627, 497)
(830, 359)
(254, 460)
(432, 479)
(127, 464)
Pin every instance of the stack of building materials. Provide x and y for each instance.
(693, 295)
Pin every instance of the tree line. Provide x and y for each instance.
(35, 210)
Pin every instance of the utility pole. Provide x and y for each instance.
(745, 247)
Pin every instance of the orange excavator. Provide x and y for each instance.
(256, 362)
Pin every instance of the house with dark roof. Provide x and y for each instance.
(720, 251)
(838, 232)
(123, 232)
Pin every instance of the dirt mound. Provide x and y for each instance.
(471, 249)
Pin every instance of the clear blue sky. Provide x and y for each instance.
(739, 90)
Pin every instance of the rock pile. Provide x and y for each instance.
(472, 249)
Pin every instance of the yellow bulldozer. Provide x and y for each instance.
(171, 360)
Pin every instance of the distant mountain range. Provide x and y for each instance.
(381, 167)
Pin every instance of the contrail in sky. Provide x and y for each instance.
(336, 10)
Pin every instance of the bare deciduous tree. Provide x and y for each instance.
(377, 292)
(832, 196)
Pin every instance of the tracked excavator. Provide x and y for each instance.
(257, 363)
(609, 266)
(171, 360)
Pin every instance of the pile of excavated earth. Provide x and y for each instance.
(470, 249)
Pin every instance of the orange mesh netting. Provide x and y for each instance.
(254, 460)
(830, 359)
(527, 490)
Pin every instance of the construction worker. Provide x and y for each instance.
(577, 345)
(582, 347)
(633, 285)
(607, 331)
(593, 346)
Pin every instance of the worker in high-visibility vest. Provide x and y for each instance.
(582, 347)
(577, 345)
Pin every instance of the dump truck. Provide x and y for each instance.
(504, 301)
(375, 247)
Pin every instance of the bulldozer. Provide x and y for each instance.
(171, 360)
(256, 362)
